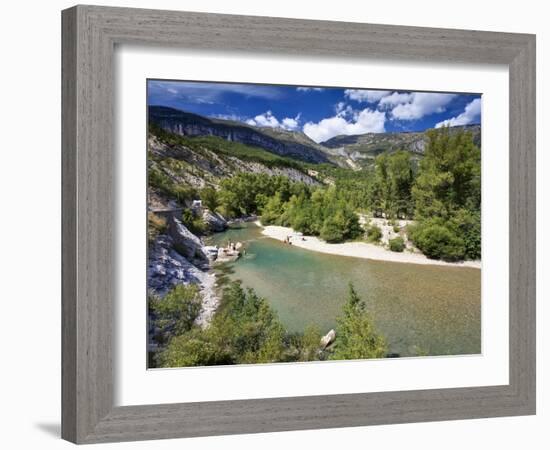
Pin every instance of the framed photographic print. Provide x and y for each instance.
(268, 230)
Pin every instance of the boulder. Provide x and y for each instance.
(186, 243)
(328, 339)
(211, 252)
(214, 221)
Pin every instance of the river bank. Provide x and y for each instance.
(362, 250)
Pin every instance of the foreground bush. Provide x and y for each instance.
(177, 311)
(244, 330)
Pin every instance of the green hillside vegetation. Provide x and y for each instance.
(221, 146)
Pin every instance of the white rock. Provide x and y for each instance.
(328, 339)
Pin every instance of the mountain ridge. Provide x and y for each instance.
(189, 124)
(349, 151)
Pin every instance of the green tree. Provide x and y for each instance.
(356, 337)
(390, 192)
(333, 229)
(449, 175)
(176, 312)
(401, 178)
(209, 197)
(272, 210)
(447, 194)
(468, 225)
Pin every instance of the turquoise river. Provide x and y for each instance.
(420, 309)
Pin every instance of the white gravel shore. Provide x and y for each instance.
(356, 249)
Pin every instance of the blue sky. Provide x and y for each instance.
(321, 113)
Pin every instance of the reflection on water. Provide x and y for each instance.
(431, 310)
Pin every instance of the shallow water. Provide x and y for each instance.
(421, 310)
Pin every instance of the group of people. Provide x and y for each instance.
(288, 239)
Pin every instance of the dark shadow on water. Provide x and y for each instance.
(53, 429)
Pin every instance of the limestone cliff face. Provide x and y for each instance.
(294, 145)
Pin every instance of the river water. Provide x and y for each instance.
(420, 309)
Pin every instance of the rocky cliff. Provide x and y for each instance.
(289, 144)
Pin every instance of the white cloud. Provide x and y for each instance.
(267, 119)
(472, 111)
(395, 99)
(364, 95)
(342, 110)
(308, 89)
(421, 104)
(289, 123)
(365, 121)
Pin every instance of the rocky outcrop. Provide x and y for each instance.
(214, 221)
(186, 243)
(167, 268)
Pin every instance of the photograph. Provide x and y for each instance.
(307, 223)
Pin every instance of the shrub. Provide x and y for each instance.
(177, 311)
(438, 242)
(193, 223)
(310, 343)
(209, 197)
(156, 225)
(374, 233)
(397, 244)
(396, 228)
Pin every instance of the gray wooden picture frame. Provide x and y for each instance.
(90, 34)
